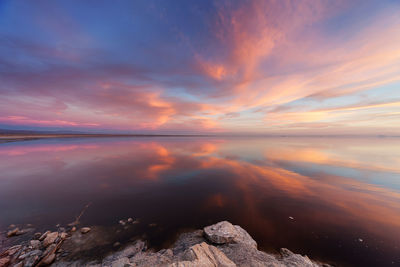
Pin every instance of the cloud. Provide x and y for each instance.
(199, 72)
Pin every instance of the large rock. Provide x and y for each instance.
(204, 255)
(224, 232)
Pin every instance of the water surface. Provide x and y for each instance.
(333, 199)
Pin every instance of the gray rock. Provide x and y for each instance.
(149, 258)
(204, 255)
(224, 232)
(291, 259)
(35, 252)
(132, 250)
(122, 262)
(19, 264)
(128, 252)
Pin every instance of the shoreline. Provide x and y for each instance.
(6, 138)
(221, 244)
(14, 137)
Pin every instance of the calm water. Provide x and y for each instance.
(339, 191)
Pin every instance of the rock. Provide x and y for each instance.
(50, 239)
(37, 235)
(20, 264)
(5, 261)
(73, 229)
(31, 261)
(35, 244)
(13, 250)
(50, 249)
(204, 255)
(116, 244)
(132, 250)
(35, 252)
(290, 217)
(44, 235)
(130, 220)
(122, 222)
(224, 232)
(149, 258)
(48, 259)
(63, 235)
(85, 230)
(120, 262)
(15, 232)
(291, 259)
(128, 252)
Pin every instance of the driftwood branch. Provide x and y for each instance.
(76, 222)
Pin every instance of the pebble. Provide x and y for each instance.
(290, 217)
(116, 244)
(85, 230)
(130, 220)
(360, 240)
(73, 229)
(122, 222)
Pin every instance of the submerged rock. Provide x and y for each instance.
(15, 232)
(85, 230)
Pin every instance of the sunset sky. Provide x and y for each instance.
(262, 67)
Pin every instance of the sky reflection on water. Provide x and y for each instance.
(337, 190)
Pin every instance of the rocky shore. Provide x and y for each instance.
(221, 244)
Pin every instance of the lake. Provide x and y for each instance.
(333, 199)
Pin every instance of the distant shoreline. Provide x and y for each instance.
(14, 137)
(25, 137)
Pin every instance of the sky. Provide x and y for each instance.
(260, 67)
